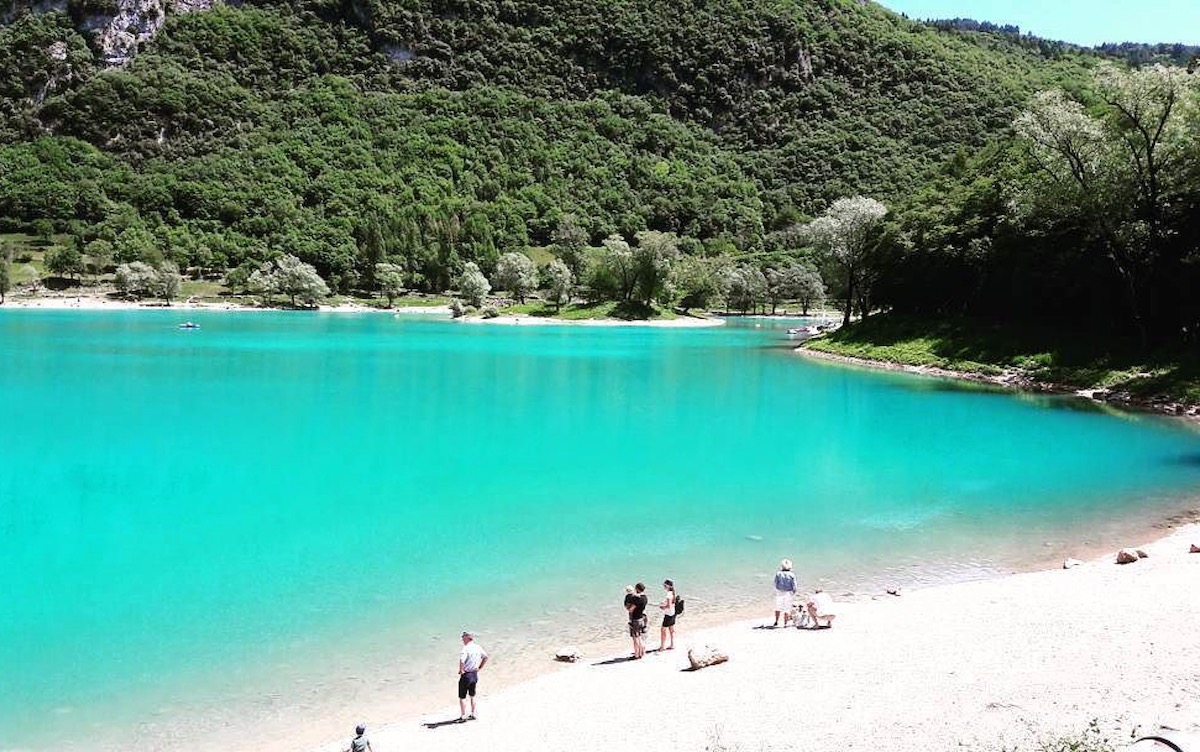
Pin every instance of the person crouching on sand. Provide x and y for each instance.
(360, 743)
(820, 608)
(785, 591)
(668, 621)
(471, 661)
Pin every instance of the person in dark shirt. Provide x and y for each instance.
(635, 604)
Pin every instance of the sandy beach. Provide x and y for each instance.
(683, 322)
(987, 665)
(96, 303)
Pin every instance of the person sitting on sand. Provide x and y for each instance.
(636, 606)
(360, 743)
(785, 591)
(668, 621)
(820, 607)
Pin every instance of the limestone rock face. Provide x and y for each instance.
(117, 27)
(702, 656)
(1127, 556)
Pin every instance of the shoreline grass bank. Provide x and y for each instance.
(1113, 371)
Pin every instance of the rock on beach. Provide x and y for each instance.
(1127, 556)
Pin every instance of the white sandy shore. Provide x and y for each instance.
(983, 665)
(94, 303)
(683, 322)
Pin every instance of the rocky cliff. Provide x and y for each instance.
(115, 28)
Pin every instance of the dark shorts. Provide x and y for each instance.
(637, 627)
(467, 683)
(668, 621)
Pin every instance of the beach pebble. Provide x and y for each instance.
(1194, 549)
(893, 591)
(567, 655)
(1127, 556)
(1142, 554)
(702, 656)
(1071, 563)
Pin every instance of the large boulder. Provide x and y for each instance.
(1127, 556)
(702, 656)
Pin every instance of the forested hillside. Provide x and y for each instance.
(429, 134)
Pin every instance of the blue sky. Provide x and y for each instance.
(1079, 21)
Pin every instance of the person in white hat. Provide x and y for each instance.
(471, 661)
(785, 591)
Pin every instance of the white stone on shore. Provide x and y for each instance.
(703, 656)
(1127, 556)
(567, 655)
(1071, 563)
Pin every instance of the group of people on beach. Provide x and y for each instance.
(817, 608)
(472, 658)
(636, 603)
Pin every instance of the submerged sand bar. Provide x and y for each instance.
(978, 665)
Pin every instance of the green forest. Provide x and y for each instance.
(677, 153)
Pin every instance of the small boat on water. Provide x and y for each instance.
(189, 325)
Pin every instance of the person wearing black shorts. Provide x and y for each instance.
(668, 622)
(635, 604)
(471, 661)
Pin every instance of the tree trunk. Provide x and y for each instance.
(849, 297)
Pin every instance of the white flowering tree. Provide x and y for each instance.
(516, 273)
(390, 278)
(472, 284)
(135, 279)
(558, 282)
(844, 235)
(1114, 170)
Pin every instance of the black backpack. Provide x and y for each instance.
(678, 605)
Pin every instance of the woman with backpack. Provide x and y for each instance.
(668, 622)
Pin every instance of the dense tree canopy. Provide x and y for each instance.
(665, 152)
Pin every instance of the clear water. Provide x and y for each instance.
(278, 523)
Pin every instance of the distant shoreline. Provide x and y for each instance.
(94, 303)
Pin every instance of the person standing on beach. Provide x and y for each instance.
(636, 606)
(471, 661)
(785, 591)
(630, 600)
(668, 621)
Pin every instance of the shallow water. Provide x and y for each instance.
(268, 525)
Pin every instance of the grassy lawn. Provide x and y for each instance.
(1055, 356)
(584, 311)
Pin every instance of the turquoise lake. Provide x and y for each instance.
(279, 523)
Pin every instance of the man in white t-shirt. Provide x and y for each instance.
(471, 661)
